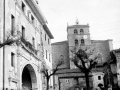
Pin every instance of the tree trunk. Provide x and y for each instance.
(87, 81)
(47, 88)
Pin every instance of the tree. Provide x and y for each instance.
(45, 71)
(85, 60)
(10, 39)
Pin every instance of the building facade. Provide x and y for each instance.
(21, 62)
(115, 68)
(111, 70)
(97, 78)
(78, 36)
(117, 53)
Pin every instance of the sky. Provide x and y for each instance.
(103, 17)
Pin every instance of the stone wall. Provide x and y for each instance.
(59, 49)
(103, 47)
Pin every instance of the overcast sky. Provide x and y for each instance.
(103, 17)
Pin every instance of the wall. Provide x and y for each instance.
(65, 83)
(59, 49)
(102, 47)
(95, 79)
(47, 46)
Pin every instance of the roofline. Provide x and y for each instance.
(39, 16)
(75, 71)
(73, 26)
(36, 11)
(116, 50)
(48, 31)
(55, 43)
(95, 41)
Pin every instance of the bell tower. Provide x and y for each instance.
(78, 37)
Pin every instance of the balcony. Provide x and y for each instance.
(29, 46)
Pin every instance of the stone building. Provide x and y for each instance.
(111, 70)
(20, 63)
(97, 78)
(115, 68)
(78, 36)
(117, 54)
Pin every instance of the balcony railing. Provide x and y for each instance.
(29, 45)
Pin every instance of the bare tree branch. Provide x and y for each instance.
(92, 64)
(79, 66)
(56, 69)
(11, 39)
(88, 61)
(82, 56)
(45, 71)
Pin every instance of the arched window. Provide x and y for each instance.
(75, 31)
(76, 41)
(81, 31)
(82, 41)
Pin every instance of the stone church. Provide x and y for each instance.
(78, 36)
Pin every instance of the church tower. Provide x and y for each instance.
(78, 37)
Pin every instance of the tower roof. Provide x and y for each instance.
(75, 26)
(77, 22)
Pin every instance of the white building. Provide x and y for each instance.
(20, 63)
(97, 79)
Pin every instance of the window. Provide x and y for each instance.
(81, 31)
(23, 32)
(99, 77)
(23, 7)
(33, 41)
(12, 59)
(33, 19)
(46, 54)
(48, 41)
(75, 31)
(82, 41)
(67, 81)
(45, 37)
(49, 57)
(76, 41)
(37, 1)
(28, 14)
(12, 24)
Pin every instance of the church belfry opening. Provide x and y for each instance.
(81, 31)
(75, 31)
